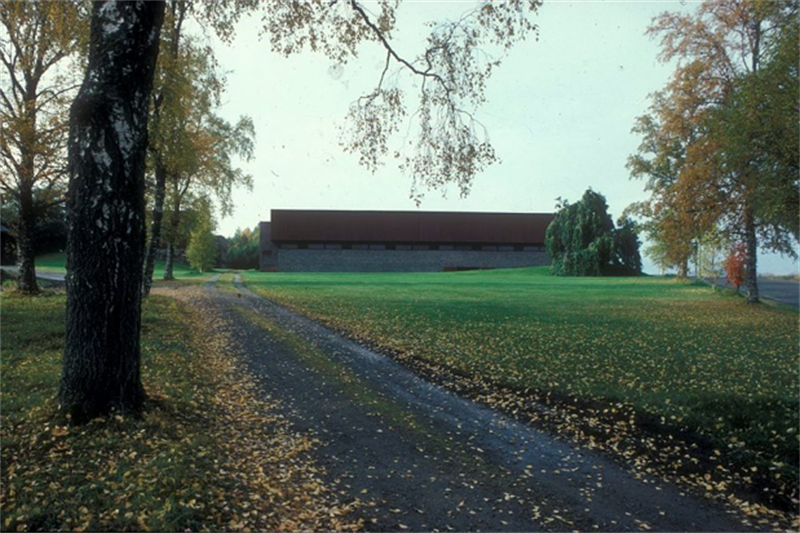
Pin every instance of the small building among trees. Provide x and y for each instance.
(401, 241)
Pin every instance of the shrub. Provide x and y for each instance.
(735, 265)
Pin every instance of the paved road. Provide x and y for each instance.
(427, 459)
(787, 292)
(52, 277)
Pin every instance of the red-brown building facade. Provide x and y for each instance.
(401, 241)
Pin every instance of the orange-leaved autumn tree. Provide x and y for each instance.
(659, 161)
(717, 180)
(736, 265)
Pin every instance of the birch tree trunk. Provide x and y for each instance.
(26, 280)
(155, 226)
(163, 104)
(106, 212)
(169, 260)
(174, 225)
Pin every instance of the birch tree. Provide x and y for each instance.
(171, 88)
(206, 168)
(189, 143)
(188, 89)
(107, 145)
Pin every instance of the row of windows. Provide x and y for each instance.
(447, 247)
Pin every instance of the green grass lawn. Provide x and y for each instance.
(57, 263)
(703, 360)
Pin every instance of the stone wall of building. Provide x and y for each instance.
(377, 260)
(267, 259)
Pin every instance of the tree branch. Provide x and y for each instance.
(391, 52)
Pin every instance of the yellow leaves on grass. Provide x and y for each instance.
(277, 486)
(208, 453)
(59, 431)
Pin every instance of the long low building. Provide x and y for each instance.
(401, 241)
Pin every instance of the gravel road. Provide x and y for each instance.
(423, 458)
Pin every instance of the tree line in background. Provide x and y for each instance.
(719, 150)
(243, 249)
(205, 250)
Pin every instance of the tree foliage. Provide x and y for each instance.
(626, 247)
(196, 147)
(446, 144)
(757, 134)
(202, 250)
(736, 265)
(711, 250)
(710, 153)
(582, 240)
(40, 46)
(660, 158)
(244, 249)
(656, 251)
(163, 128)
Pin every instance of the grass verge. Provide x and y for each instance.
(207, 454)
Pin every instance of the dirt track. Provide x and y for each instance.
(423, 458)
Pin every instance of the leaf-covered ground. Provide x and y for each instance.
(208, 453)
(669, 377)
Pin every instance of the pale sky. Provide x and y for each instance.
(559, 115)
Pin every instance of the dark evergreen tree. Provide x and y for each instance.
(581, 239)
(626, 247)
